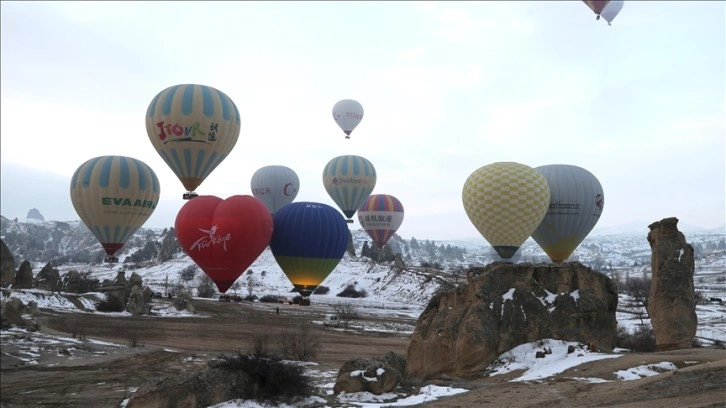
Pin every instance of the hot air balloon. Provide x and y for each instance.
(347, 114)
(223, 237)
(596, 6)
(114, 196)
(380, 216)
(576, 202)
(193, 128)
(349, 180)
(275, 186)
(611, 10)
(308, 242)
(506, 202)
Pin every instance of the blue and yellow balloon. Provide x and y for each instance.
(308, 241)
(193, 128)
(114, 196)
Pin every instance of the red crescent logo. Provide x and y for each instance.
(284, 189)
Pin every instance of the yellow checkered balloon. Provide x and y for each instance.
(506, 201)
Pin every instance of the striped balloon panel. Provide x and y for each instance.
(349, 180)
(193, 128)
(114, 196)
(576, 203)
(506, 201)
(308, 241)
(276, 186)
(380, 216)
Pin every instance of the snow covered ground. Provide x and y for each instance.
(711, 325)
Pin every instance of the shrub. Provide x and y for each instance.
(351, 292)
(299, 343)
(321, 290)
(266, 377)
(269, 299)
(206, 288)
(346, 312)
(111, 303)
(641, 339)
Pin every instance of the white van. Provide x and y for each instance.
(331, 320)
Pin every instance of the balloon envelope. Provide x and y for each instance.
(576, 202)
(193, 128)
(506, 201)
(611, 10)
(223, 237)
(347, 114)
(114, 196)
(380, 216)
(276, 186)
(349, 180)
(596, 5)
(308, 242)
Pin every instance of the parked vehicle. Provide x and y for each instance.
(331, 320)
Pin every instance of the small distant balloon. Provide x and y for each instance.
(114, 196)
(380, 216)
(349, 180)
(193, 128)
(276, 186)
(611, 10)
(347, 114)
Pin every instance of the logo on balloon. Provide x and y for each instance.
(211, 239)
(189, 132)
(348, 180)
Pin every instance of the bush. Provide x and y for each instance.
(206, 288)
(641, 339)
(111, 303)
(299, 343)
(321, 290)
(351, 292)
(270, 299)
(267, 377)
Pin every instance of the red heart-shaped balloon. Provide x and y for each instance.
(224, 237)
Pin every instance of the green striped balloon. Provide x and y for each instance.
(349, 180)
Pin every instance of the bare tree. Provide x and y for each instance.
(346, 312)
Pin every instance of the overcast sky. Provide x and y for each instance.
(447, 88)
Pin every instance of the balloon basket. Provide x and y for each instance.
(189, 195)
(111, 259)
(349, 221)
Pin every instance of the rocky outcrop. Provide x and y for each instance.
(7, 265)
(24, 276)
(503, 305)
(14, 312)
(183, 301)
(48, 279)
(169, 246)
(671, 301)
(34, 214)
(377, 376)
(191, 389)
(136, 304)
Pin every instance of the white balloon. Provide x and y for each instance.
(347, 114)
(611, 10)
(276, 186)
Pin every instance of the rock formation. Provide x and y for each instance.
(377, 376)
(503, 305)
(35, 215)
(671, 301)
(183, 301)
(7, 265)
(136, 304)
(24, 276)
(48, 279)
(15, 312)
